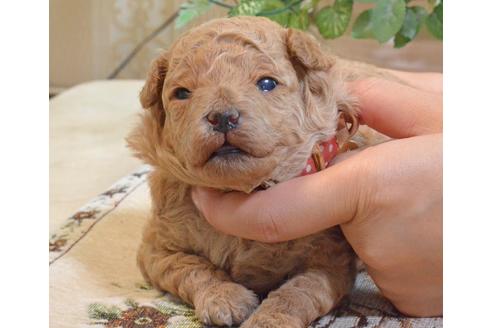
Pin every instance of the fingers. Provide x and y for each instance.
(309, 204)
(236, 213)
(428, 82)
(290, 210)
(397, 110)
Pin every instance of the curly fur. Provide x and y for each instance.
(223, 276)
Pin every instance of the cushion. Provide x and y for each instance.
(95, 282)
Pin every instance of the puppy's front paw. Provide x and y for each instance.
(272, 320)
(225, 304)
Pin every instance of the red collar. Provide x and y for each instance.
(323, 154)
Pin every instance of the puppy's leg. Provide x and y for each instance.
(198, 282)
(300, 300)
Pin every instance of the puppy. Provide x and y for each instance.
(234, 104)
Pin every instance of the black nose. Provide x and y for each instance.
(224, 121)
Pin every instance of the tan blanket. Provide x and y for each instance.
(94, 280)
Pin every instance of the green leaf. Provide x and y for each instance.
(131, 303)
(414, 17)
(299, 20)
(102, 312)
(366, 1)
(362, 28)
(247, 8)
(387, 18)
(434, 22)
(281, 18)
(333, 21)
(191, 10)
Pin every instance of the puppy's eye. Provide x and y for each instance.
(182, 93)
(266, 84)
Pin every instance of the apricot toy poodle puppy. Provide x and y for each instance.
(240, 104)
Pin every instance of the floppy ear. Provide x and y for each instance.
(146, 137)
(305, 50)
(151, 94)
(322, 80)
(312, 67)
(310, 63)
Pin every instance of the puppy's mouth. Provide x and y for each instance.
(228, 151)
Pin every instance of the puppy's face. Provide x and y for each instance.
(237, 101)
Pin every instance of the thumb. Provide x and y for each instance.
(398, 110)
(289, 210)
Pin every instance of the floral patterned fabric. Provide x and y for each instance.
(94, 280)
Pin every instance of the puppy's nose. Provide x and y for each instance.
(224, 121)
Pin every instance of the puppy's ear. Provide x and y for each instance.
(322, 82)
(146, 137)
(151, 94)
(303, 49)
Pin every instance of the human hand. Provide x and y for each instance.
(387, 198)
